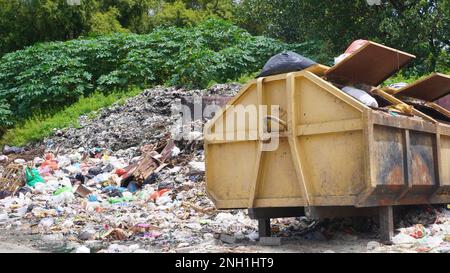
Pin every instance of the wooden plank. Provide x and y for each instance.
(430, 88)
(371, 64)
(330, 127)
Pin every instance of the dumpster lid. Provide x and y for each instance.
(431, 88)
(371, 64)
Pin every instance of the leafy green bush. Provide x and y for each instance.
(50, 75)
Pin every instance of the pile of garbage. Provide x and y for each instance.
(123, 128)
(99, 199)
(119, 178)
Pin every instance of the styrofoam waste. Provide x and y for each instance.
(361, 95)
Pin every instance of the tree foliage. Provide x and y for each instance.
(54, 74)
(25, 22)
(421, 27)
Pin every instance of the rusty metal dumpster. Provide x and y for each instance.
(295, 140)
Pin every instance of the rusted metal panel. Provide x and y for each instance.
(422, 159)
(371, 64)
(430, 88)
(444, 102)
(388, 153)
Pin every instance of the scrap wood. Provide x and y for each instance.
(117, 234)
(141, 228)
(197, 208)
(13, 178)
(145, 168)
(82, 191)
(402, 108)
(167, 151)
(151, 162)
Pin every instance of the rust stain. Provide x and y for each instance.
(395, 176)
(384, 201)
(420, 171)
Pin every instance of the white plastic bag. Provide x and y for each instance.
(361, 96)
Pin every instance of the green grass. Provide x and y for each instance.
(40, 126)
(400, 78)
(242, 79)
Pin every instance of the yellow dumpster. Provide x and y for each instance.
(295, 140)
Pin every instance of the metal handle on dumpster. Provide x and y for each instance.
(273, 118)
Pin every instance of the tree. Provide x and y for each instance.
(417, 26)
(24, 23)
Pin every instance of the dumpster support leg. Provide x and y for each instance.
(264, 227)
(386, 224)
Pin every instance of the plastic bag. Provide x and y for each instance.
(285, 62)
(361, 96)
(33, 177)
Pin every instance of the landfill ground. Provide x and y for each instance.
(128, 180)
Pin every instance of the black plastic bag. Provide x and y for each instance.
(7, 150)
(285, 62)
